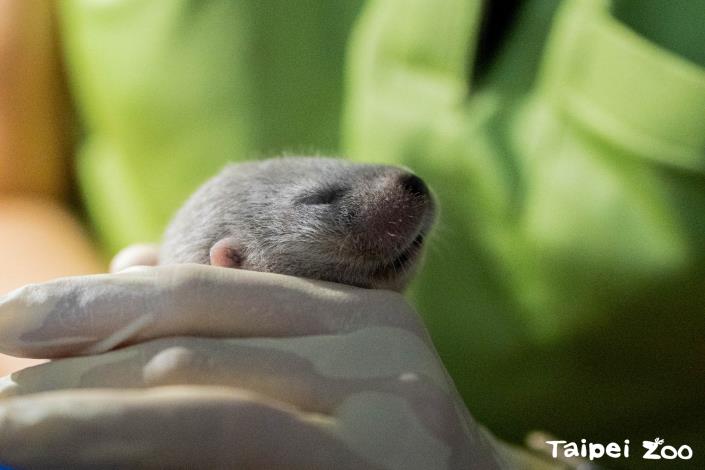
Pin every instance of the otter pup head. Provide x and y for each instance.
(321, 218)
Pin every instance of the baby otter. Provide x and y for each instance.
(320, 218)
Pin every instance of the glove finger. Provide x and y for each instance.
(223, 427)
(140, 254)
(91, 314)
(313, 372)
(166, 427)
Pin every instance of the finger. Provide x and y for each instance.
(141, 254)
(313, 372)
(324, 375)
(217, 427)
(90, 314)
(169, 427)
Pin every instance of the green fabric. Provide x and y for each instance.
(170, 90)
(566, 287)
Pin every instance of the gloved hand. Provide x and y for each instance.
(227, 368)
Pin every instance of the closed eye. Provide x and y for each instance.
(323, 196)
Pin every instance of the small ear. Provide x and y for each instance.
(227, 253)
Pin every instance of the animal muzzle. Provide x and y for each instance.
(394, 212)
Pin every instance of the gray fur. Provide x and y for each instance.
(320, 218)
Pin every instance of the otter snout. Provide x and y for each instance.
(393, 213)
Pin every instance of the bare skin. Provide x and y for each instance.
(35, 218)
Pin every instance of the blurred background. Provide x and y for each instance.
(565, 288)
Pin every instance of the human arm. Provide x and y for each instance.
(40, 237)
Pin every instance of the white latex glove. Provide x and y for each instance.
(226, 368)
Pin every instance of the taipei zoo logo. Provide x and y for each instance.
(656, 449)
